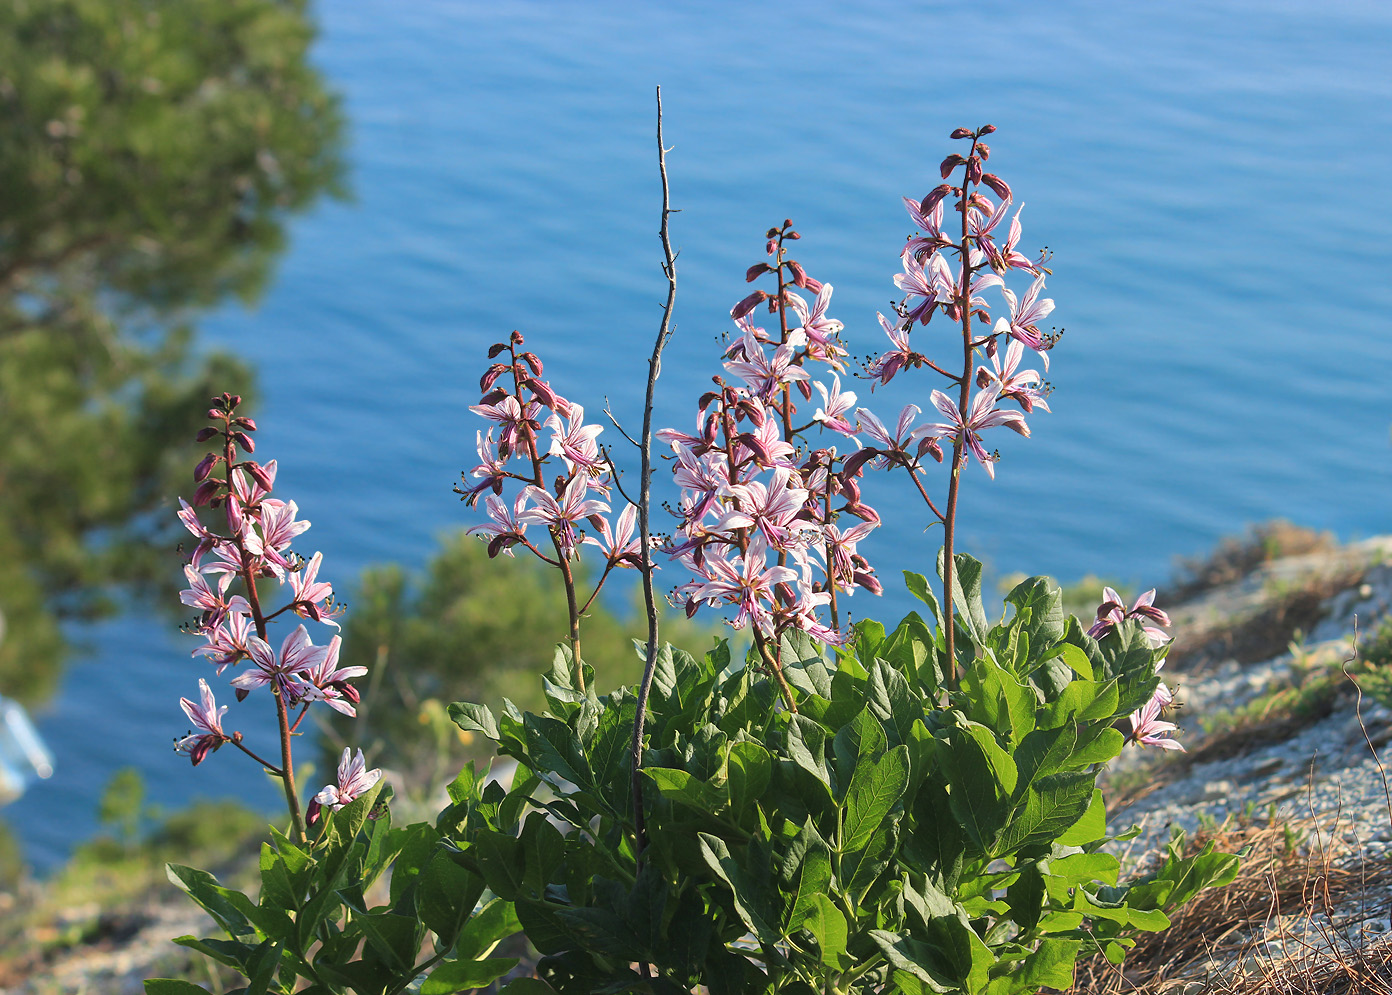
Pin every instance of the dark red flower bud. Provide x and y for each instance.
(814, 286)
(531, 359)
(516, 337)
(934, 197)
(930, 445)
(771, 234)
(205, 467)
(949, 164)
(787, 222)
(792, 235)
(707, 398)
(974, 170)
(259, 474)
(748, 304)
(216, 415)
(982, 377)
(234, 400)
(246, 423)
(986, 129)
(983, 150)
(312, 812)
(205, 493)
(856, 460)
(756, 271)
(997, 184)
(960, 133)
(244, 440)
(805, 389)
(493, 396)
(799, 274)
(205, 434)
(495, 349)
(547, 396)
(491, 375)
(771, 246)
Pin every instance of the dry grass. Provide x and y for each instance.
(1221, 942)
(1235, 558)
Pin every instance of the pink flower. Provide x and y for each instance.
(332, 681)
(206, 716)
(983, 415)
(748, 583)
(1024, 387)
(1148, 730)
(227, 641)
(1025, 316)
(298, 655)
(575, 444)
(562, 516)
(516, 423)
(213, 604)
(506, 527)
(875, 429)
(772, 507)
(354, 779)
(834, 405)
(490, 472)
(820, 330)
(765, 377)
(621, 546)
(1113, 611)
(309, 591)
(900, 357)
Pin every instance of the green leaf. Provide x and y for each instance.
(1077, 660)
(814, 877)
(1090, 828)
(1049, 965)
(803, 664)
(751, 892)
(171, 986)
(493, 923)
(1052, 805)
(501, 862)
(918, 586)
(859, 740)
(876, 787)
(1080, 701)
(692, 792)
(966, 595)
(1042, 598)
(395, 938)
(461, 975)
(475, 718)
(983, 777)
(828, 926)
(917, 959)
(555, 747)
(445, 896)
(750, 769)
(233, 911)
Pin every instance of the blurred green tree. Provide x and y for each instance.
(150, 153)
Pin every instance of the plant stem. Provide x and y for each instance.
(664, 332)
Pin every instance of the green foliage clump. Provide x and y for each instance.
(895, 833)
(152, 152)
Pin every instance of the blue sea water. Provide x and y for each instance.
(1212, 178)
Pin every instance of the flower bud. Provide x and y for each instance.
(974, 169)
(805, 389)
(205, 467)
(799, 274)
(756, 271)
(815, 286)
(949, 164)
(215, 414)
(516, 337)
(934, 197)
(997, 184)
(771, 246)
(245, 423)
(793, 235)
(983, 150)
(748, 304)
(930, 445)
(986, 129)
(259, 474)
(772, 233)
(491, 375)
(532, 360)
(960, 133)
(787, 222)
(205, 493)
(205, 434)
(495, 349)
(244, 440)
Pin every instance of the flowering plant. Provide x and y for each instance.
(848, 809)
(313, 921)
(851, 809)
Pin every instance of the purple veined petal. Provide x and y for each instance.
(945, 404)
(906, 418)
